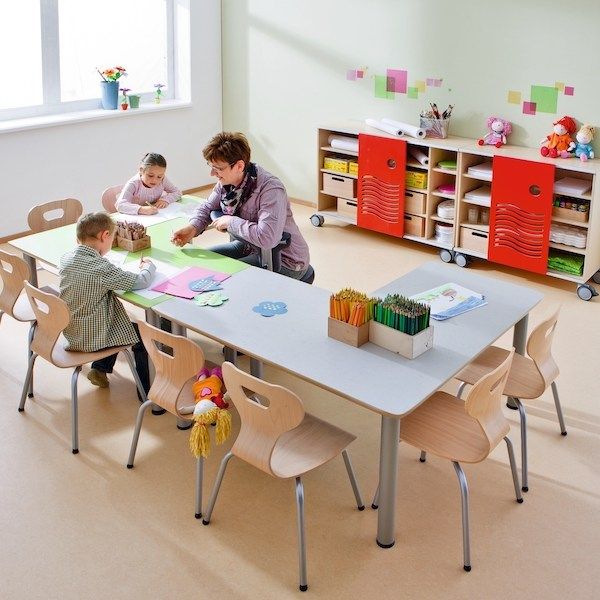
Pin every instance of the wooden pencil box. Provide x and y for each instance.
(409, 346)
(349, 334)
(133, 245)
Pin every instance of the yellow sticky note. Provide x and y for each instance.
(514, 97)
(560, 86)
(421, 86)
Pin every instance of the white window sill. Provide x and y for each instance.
(88, 115)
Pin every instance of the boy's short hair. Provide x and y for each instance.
(91, 224)
(228, 147)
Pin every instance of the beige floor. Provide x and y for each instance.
(79, 527)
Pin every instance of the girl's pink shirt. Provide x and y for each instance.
(135, 194)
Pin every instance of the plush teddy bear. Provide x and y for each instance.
(559, 140)
(498, 130)
(211, 408)
(582, 148)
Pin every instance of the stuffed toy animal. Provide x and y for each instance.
(498, 130)
(560, 139)
(582, 148)
(211, 408)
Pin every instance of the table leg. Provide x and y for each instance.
(388, 474)
(520, 344)
(256, 368)
(32, 263)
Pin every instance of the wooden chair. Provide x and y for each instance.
(463, 432)
(281, 440)
(177, 360)
(528, 377)
(109, 198)
(38, 219)
(52, 316)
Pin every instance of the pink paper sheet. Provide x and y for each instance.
(179, 285)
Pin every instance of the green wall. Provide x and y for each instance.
(285, 64)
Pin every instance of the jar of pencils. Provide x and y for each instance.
(435, 128)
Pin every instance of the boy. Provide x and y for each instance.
(87, 284)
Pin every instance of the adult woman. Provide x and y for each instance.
(255, 208)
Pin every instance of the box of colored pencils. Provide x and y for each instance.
(131, 236)
(349, 315)
(401, 325)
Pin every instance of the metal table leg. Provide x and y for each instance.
(256, 368)
(31, 262)
(388, 475)
(520, 344)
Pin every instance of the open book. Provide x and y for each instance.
(449, 300)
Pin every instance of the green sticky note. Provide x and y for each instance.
(545, 98)
(413, 92)
(381, 88)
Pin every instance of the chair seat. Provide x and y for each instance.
(442, 426)
(524, 380)
(65, 359)
(22, 310)
(311, 444)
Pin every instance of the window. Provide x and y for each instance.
(58, 45)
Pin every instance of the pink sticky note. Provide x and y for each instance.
(359, 74)
(180, 284)
(400, 79)
(569, 90)
(351, 75)
(529, 108)
(430, 82)
(438, 83)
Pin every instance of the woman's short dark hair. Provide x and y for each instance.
(228, 147)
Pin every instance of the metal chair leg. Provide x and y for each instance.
(523, 417)
(559, 413)
(301, 535)
(423, 456)
(460, 389)
(216, 487)
(359, 501)
(29, 353)
(375, 503)
(28, 378)
(464, 498)
(199, 478)
(513, 468)
(136, 432)
(74, 411)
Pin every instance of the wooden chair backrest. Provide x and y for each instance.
(539, 348)
(38, 221)
(485, 399)
(52, 316)
(261, 426)
(13, 271)
(109, 198)
(172, 372)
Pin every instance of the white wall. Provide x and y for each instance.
(79, 160)
(284, 68)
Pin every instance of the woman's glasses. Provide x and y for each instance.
(219, 169)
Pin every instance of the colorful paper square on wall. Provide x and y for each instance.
(381, 88)
(514, 97)
(545, 98)
(529, 108)
(359, 74)
(560, 86)
(400, 80)
(413, 92)
(569, 90)
(351, 75)
(420, 85)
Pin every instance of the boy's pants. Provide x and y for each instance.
(107, 364)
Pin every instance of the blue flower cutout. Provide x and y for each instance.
(269, 308)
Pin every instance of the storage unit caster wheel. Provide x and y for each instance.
(596, 277)
(586, 292)
(317, 220)
(461, 260)
(446, 255)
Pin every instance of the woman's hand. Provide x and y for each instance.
(147, 210)
(161, 203)
(222, 223)
(184, 235)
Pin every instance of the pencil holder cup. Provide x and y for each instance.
(349, 334)
(435, 128)
(133, 245)
(409, 346)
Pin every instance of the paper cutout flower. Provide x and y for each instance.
(206, 284)
(211, 299)
(269, 308)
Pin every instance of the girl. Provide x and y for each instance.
(149, 190)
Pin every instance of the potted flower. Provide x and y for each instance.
(110, 86)
(158, 92)
(124, 102)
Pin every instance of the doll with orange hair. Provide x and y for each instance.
(560, 138)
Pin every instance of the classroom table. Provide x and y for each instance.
(370, 376)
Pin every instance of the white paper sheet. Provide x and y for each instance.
(343, 143)
(163, 271)
(391, 129)
(116, 258)
(419, 156)
(174, 210)
(405, 128)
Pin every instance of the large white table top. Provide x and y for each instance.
(371, 376)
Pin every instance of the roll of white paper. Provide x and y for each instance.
(405, 128)
(383, 126)
(343, 143)
(419, 156)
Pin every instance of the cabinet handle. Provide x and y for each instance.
(479, 234)
(407, 218)
(337, 178)
(409, 194)
(351, 203)
(535, 190)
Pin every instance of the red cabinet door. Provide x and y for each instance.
(381, 169)
(520, 214)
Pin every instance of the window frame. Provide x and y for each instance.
(51, 85)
